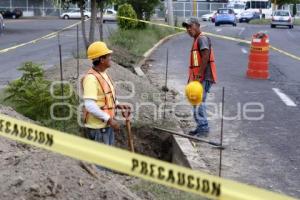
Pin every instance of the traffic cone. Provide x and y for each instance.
(258, 66)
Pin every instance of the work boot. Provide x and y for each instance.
(202, 134)
(193, 133)
(198, 133)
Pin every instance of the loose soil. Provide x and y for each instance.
(29, 173)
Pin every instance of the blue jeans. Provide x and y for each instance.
(200, 114)
(104, 135)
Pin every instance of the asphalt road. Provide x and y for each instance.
(261, 152)
(45, 51)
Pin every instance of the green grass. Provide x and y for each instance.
(138, 41)
(260, 21)
(162, 193)
(297, 22)
(268, 21)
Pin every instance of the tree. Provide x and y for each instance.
(143, 8)
(295, 7)
(101, 6)
(82, 5)
(282, 2)
(95, 4)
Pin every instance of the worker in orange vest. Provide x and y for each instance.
(203, 69)
(100, 97)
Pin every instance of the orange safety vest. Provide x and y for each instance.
(196, 60)
(109, 95)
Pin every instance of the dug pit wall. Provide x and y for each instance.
(182, 153)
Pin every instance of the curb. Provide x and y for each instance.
(147, 54)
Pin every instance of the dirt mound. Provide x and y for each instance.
(31, 173)
(143, 97)
(131, 88)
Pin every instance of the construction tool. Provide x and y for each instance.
(126, 114)
(191, 137)
(221, 135)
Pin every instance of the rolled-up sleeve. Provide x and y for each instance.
(203, 43)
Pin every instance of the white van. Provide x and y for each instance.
(261, 6)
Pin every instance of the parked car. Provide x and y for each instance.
(282, 18)
(109, 15)
(2, 25)
(209, 16)
(14, 14)
(225, 16)
(75, 14)
(247, 16)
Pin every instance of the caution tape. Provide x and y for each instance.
(133, 164)
(217, 36)
(148, 22)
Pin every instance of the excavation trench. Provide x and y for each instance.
(148, 142)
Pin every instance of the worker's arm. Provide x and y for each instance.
(205, 59)
(204, 51)
(93, 108)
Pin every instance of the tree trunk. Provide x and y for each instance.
(101, 24)
(170, 13)
(86, 43)
(93, 20)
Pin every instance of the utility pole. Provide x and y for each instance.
(195, 8)
(170, 13)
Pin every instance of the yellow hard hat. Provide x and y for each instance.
(97, 49)
(194, 92)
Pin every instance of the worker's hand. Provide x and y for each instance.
(114, 124)
(123, 107)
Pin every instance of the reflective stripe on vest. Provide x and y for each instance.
(109, 94)
(196, 60)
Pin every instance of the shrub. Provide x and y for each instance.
(126, 10)
(31, 96)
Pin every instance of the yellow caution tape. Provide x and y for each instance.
(148, 22)
(218, 36)
(133, 164)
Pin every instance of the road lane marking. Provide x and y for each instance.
(244, 51)
(18, 20)
(286, 99)
(48, 36)
(218, 29)
(241, 31)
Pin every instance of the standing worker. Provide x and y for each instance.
(203, 69)
(100, 97)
